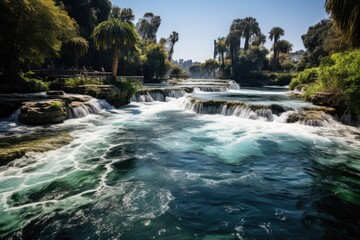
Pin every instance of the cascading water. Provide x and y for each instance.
(156, 171)
(151, 95)
(93, 106)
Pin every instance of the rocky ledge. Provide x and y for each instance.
(15, 147)
(44, 112)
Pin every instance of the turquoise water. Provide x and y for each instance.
(156, 171)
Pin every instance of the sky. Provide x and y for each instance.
(200, 22)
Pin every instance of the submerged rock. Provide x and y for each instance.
(311, 118)
(44, 112)
(13, 148)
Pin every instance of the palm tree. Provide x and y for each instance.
(75, 47)
(116, 35)
(221, 49)
(174, 37)
(283, 46)
(251, 28)
(233, 41)
(275, 34)
(258, 40)
(346, 15)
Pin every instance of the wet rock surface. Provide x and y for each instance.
(15, 147)
(44, 112)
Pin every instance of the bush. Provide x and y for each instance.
(28, 83)
(306, 77)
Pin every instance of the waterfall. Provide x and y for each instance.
(156, 94)
(82, 109)
(310, 117)
(234, 85)
(211, 89)
(227, 108)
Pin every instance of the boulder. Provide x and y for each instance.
(43, 112)
(325, 99)
(311, 118)
(15, 147)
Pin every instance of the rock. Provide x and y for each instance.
(277, 109)
(311, 118)
(16, 147)
(44, 112)
(325, 99)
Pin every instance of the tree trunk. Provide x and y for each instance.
(274, 59)
(115, 61)
(246, 45)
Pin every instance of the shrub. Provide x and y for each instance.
(306, 77)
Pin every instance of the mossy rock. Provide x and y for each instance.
(11, 149)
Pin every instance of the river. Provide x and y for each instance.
(167, 170)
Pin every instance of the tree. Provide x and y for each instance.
(31, 31)
(174, 37)
(275, 34)
(221, 49)
(210, 66)
(250, 28)
(116, 35)
(148, 25)
(258, 40)
(124, 14)
(75, 48)
(195, 70)
(283, 46)
(155, 62)
(346, 15)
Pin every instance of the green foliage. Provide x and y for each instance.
(281, 79)
(126, 89)
(31, 31)
(209, 66)
(250, 62)
(306, 77)
(195, 70)
(75, 48)
(148, 26)
(29, 84)
(176, 70)
(118, 36)
(56, 105)
(346, 14)
(155, 61)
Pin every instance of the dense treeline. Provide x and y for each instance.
(65, 34)
(332, 60)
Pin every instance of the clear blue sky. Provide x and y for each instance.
(199, 22)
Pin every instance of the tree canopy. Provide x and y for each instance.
(346, 14)
(31, 31)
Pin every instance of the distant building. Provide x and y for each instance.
(295, 57)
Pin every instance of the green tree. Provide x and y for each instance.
(250, 28)
(275, 34)
(124, 14)
(115, 35)
(209, 66)
(195, 70)
(258, 40)
(155, 61)
(31, 30)
(148, 26)
(346, 13)
(283, 46)
(174, 37)
(75, 48)
(221, 49)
